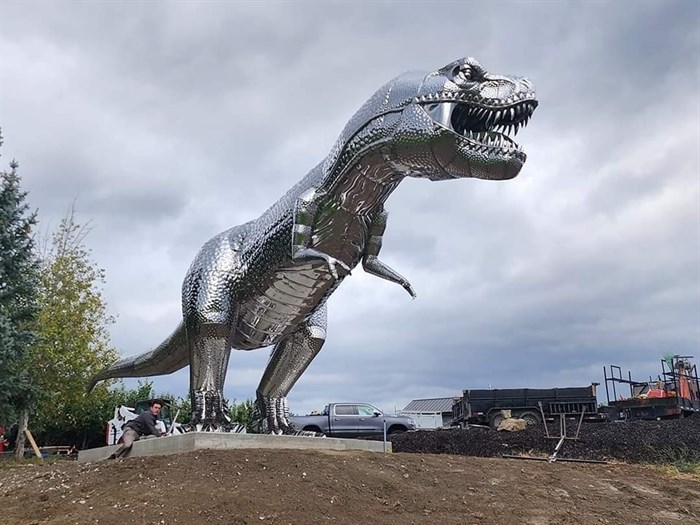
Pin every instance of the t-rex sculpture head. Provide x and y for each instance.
(450, 123)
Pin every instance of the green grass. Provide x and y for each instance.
(9, 461)
(681, 459)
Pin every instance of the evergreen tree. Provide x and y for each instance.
(18, 291)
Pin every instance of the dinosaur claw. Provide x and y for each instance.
(407, 286)
(332, 262)
(271, 416)
(209, 410)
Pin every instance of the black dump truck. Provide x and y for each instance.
(483, 406)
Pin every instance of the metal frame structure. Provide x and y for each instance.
(680, 377)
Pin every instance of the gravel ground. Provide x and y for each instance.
(632, 442)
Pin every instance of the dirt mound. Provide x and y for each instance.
(633, 441)
(304, 487)
(439, 485)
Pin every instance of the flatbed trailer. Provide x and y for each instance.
(484, 406)
(674, 393)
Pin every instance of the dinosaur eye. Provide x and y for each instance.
(462, 72)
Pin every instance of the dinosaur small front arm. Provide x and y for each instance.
(371, 264)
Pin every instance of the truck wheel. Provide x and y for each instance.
(531, 418)
(312, 429)
(495, 419)
(396, 430)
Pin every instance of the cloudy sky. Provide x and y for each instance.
(170, 122)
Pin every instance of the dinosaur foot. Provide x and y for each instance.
(271, 416)
(209, 412)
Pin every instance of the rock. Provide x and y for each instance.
(512, 424)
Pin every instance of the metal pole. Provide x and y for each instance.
(605, 376)
(553, 457)
(172, 424)
(562, 426)
(573, 460)
(580, 422)
(544, 420)
(384, 436)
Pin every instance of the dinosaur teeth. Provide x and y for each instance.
(490, 142)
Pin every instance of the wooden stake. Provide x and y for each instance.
(33, 443)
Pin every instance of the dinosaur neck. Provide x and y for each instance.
(366, 185)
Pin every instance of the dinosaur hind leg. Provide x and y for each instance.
(288, 360)
(209, 353)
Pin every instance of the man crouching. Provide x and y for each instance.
(143, 425)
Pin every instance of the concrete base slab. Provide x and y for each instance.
(220, 440)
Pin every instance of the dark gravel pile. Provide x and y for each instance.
(634, 441)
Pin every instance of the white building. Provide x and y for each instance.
(430, 413)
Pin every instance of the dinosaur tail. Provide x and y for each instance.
(171, 355)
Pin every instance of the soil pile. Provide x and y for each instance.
(281, 487)
(441, 485)
(633, 441)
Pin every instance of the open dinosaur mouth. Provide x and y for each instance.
(485, 128)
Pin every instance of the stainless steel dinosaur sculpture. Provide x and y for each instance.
(266, 282)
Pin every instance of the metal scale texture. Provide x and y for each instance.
(266, 282)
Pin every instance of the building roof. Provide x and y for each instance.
(436, 404)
